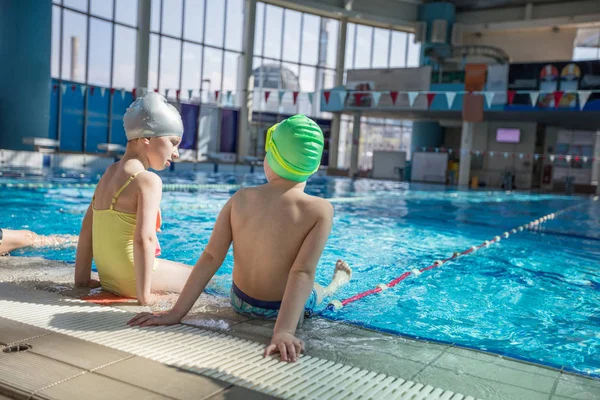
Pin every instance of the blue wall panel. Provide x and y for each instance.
(71, 130)
(97, 115)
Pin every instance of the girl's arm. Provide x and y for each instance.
(144, 240)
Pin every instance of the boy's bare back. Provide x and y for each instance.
(269, 224)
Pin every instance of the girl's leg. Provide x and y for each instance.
(12, 240)
(170, 276)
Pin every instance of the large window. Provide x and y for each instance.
(369, 47)
(196, 47)
(375, 134)
(94, 45)
(587, 45)
(296, 55)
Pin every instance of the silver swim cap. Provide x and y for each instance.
(151, 116)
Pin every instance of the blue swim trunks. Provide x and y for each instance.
(246, 305)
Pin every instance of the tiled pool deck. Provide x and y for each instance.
(448, 367)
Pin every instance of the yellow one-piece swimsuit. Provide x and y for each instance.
(112, 240)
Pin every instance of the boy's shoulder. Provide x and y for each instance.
(321, 206)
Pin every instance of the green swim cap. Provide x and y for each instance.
(294, 148)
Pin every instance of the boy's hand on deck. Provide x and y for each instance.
(150, 319)
(287, 345)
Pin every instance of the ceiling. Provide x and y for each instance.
(469, 5)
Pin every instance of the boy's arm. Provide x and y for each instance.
(144, 240)
(209, 262)
(84, 255)
(300, 282)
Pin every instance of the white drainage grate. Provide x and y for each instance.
(216, 355)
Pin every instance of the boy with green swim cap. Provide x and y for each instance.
(279, 234)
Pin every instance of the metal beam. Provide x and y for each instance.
(348, 10)
(533, 16)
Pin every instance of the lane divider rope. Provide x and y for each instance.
(338, 304)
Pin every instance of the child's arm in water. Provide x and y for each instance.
(209, 262)
(144, 240)
(84, 255)
(299, 285)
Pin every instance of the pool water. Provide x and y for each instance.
(533, 296)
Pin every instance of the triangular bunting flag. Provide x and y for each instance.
(394, 96)
(376, 97)
(229, 95)
(342, 95)
(536, 156)
(584, 95)
(310, 97)
(267, 94)
(521, 156)
(585, 159)
(326, 95)
(216, 96)
(133, 93)
(178, 93)
(280, 95)
(190, 93)
(167, 93)
(112, 91)
(54, 87)
(510, 94)
(430, 97)
(533, 96)
(412, 96)
(102, 91)
(489, 98)
(450, 96)
(505, 155)
(557, 96)
(82, 88)
(156, 90)
(568, 158)
(63, 88)
(73, 87)
(491, 154)
(357, 98)
(92, 90)
(295, 96)
(552, 157)
(122, 94)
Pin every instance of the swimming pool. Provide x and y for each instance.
(533, 296)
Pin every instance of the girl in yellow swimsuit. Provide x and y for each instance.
(119, 228)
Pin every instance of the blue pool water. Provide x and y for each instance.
(534, 296)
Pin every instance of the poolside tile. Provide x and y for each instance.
(92, 386)
(163, 379)
(209, 321)
(504, 362)
(498, 373)
(459, 382)
(578, 387)
(77, 352)
(12, 331)
(252, 331)
(27, 372)
(348, 353)
(324, 329)
(398, 346)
